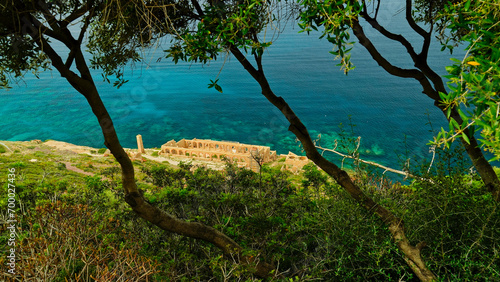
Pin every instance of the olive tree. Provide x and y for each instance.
(116, 29)
(341, 18)
(237, 28)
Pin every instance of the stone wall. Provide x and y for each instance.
(294, 163)
(243, 154)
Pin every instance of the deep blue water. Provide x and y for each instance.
(164, 101)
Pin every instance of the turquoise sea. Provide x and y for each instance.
(164, 101)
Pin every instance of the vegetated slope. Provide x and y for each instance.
(77, 227)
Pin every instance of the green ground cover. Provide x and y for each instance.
(73, 227)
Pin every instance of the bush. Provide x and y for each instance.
(18, 165)
(329, 237)
(75, 242)
(311, 230)
(101, 151)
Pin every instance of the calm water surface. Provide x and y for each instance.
(164, 101)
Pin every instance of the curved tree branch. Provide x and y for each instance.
(391, 69)
(412, 23)
(396, 37)
(393, 223)
(425, 76)
(133, 196)
(78, 13)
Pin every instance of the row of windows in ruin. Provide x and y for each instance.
(202, 155)
(221, 147)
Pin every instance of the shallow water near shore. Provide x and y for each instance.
(164, 101)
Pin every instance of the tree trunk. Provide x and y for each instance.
(483, 167)
(153, 214)
(394, 224)
(85, 85)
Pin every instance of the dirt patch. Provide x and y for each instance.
(63, 146)
(69, 166)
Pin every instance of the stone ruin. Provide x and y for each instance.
(294, 163)
(243, 155)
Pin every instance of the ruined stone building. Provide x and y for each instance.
(243, 154)
(294, 163)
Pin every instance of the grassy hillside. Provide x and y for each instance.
(73, 225)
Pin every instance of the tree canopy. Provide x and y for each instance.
(117, 28)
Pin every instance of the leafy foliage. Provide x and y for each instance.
(220, 26)
(121, 29)
(475, 81)
(336, 19)
(117, 30)
(308, 226)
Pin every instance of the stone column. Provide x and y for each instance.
(140, 146)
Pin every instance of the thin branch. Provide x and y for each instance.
(396, 37)
(71, 56)
(41, 28)
(244, 61)
(51, 19)
(412, 23)
(406, 174)
(377, 9)
(6, 146)
(391, 69)
(365, 8)
(419, 60)
(35, 30)
(198, 7)
(76, 14)
(432, 150)
(426, 35)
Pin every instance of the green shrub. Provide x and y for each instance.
(310, 230)
(40, 154)
(2, 149)
(77, 241)
(18, 164)
(101, 151)
(61, 166)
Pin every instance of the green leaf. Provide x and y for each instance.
(462, 114)
(496, 158)
(467, 5)
(466, 139)
(213, 84)
(454, 124)
(442, 96)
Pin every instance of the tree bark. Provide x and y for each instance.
(153, 214)
(394, 224)
(84, 84)
(483, 167)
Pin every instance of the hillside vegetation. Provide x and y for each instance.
(73, 224)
